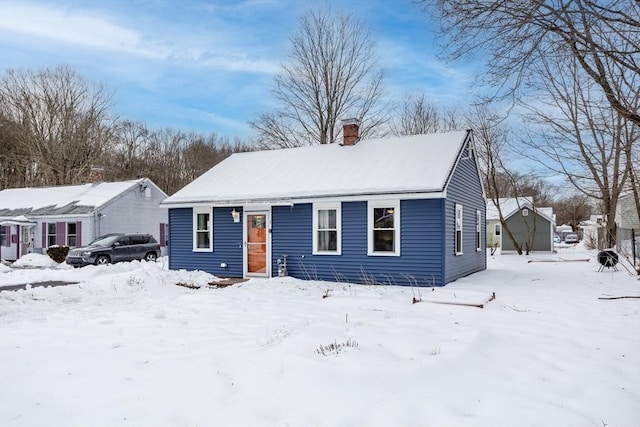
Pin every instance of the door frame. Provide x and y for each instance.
(245, 258)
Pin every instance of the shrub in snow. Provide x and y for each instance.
(336, 348)
(58, 253)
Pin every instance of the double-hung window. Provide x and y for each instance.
(202, 229)
(458, 235)
(51, 234)
(4, 235)
(478, 231)
(327, 219)
(72, 234)
(384, 228)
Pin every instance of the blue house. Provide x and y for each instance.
(401, 210)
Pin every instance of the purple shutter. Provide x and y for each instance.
(162, 236)
(44, 235)
(78, 233)
(60, 233)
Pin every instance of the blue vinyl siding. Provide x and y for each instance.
(421, 239)
(227, 243)
(465, 188)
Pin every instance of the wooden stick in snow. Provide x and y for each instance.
(464, 304)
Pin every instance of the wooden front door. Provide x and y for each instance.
(256, 244)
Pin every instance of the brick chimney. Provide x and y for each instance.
(97, 175)
(350, 128)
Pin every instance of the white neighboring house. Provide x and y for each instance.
(626, 213)
(32, 219)
(593, 231)
(521, 216)
(628, 225)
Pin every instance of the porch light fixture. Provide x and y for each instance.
(236, 215)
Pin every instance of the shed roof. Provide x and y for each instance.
(510, 206)
(61, 200)
(408, 164)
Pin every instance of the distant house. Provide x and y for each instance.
(592, 231)
(402, 210)
(628, 225)
(32, 219)
(529, 225)
(627, 214)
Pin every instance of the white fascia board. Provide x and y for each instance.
(228, 203)
(289, 202)
(373, 197)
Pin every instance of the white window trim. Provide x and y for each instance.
(478, 231)
(68, 235)
(55, 234)
(395, 204)
(337, 206)
(202, 210)
(497, 229)
(459, 250)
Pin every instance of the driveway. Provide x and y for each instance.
(36, 285)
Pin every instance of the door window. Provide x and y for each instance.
(257, 244)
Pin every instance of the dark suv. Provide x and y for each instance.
(115, 248)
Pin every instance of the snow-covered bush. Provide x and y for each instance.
(58, 253)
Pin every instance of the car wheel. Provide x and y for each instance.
(102, 260)
(150, 256)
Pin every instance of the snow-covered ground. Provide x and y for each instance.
(126, 347)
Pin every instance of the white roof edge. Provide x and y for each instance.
(133, 184)
(290, 201)
(117, 196)
(468, 138)
(529, 204)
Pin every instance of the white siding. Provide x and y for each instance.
(134, 212)
(626, 215)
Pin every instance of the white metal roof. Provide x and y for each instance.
(417, 163)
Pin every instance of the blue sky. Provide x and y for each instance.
(208, 66)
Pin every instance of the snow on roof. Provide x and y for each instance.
(509, 206)
(70, 199)
(417, 163)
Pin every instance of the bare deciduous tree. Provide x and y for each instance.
(418, 116)
(491, 140)
(572, 209)
(60, 124)
(331, 74)
(169, 157)
(126, 157)
(577, 134)
(602, 36)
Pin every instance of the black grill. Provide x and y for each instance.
(607, 259)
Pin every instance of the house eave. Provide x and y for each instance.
(405, 195)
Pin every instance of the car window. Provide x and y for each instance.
(110, 238)
(139, 239)
(105, 240)
(124, 241)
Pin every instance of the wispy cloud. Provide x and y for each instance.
(72, 27)
(89, 29)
